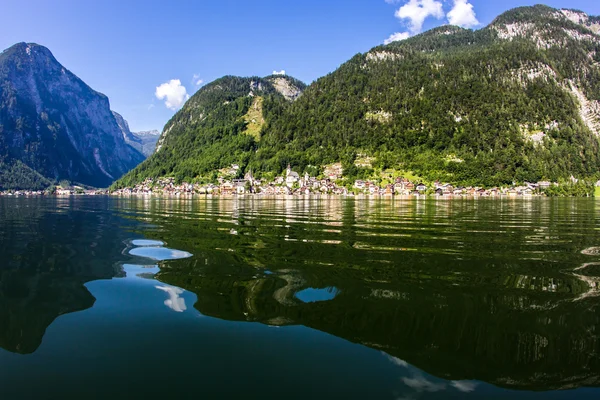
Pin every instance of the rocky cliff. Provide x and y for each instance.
(53, 124)
(144, 142)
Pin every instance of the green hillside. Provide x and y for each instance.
(515, 101)
(215, 129)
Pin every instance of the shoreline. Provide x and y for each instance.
(269, 196)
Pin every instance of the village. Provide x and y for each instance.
(292, 184)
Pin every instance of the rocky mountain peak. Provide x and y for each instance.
(153, 132)
(286, 87)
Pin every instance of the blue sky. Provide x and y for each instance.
(128, 49)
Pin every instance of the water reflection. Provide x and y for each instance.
(463, 290)
(44, 268)
(154, 250)
(454, 293)
(50, 249)
(146, 242)
(312, 295)
(174, 302)
(159, 253)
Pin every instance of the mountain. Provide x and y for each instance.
(144, 142)
(219, 125)
(516, 100)
(148, 140)
(53, 126)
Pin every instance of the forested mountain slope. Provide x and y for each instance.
(218, 126)
(516, 100)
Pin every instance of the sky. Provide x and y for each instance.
(149, 56)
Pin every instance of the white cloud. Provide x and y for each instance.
(417, 11)
(150, 107)
(394, 37)
(173, 92)
(282, 72)
(197, 81)
(462, 14)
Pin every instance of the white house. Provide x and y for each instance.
(291, 177)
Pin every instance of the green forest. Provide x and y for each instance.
(452, 104)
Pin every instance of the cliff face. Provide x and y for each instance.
(144, 142)
(51, 122)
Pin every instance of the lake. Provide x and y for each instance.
(302, 297)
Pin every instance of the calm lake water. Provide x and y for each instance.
(299, 298)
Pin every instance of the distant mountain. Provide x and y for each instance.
(516, 100)
(144, 142)
(148, 140)
(53, 126)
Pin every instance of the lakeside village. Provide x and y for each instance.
(293, 184)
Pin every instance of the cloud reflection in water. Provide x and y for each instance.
(159, 253)
(174, 302)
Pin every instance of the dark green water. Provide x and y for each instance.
(299, 298)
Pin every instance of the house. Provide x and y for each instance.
(421, 187)
(360, 184)
(304, 181)
(291, 177)
(334, 171)
(268, 190)
(227, 188)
